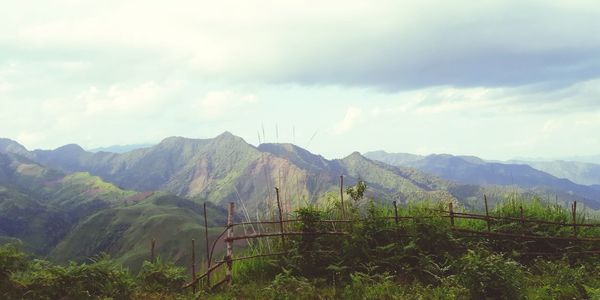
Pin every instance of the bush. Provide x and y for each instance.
(100, 279)
(161, 277)
(558, 280)
(364, 286)
(287, 286)
(490, 275)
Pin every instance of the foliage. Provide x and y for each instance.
(485, 274)
(286, 286)
(161, 277)
(560, 280)
(357, 191)
(101, 278)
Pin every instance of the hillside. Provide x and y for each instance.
(76, 216)
(125, 231)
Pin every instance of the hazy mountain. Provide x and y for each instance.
(121, 148)
(472, 170)
(578, 172)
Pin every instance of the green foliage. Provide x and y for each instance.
(161, 277)
(365, 286)
(286, 286)
(486, 274)
(357, 191)
(559, 280)
(100, 279)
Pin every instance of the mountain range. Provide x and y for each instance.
(69, 203)
(541, 177)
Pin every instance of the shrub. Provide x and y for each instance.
(100, 279)
(558, 280)
(365, 286)
(490, 275)
(161, 277)
(287, 286)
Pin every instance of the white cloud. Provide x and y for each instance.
(352, 117)
(218, 103)
(116, 99)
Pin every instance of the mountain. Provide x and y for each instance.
(75, 216)
(473, 170)
(125, 231)
(39, 205)
(10, 146)
(226, 168)
(578, 172)
(121, 148)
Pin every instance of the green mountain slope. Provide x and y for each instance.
(39, 205)
(125, 232)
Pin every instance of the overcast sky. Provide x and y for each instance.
(497, 79)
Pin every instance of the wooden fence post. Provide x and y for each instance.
(396, 212)
(487, 213)
(342, 196)
(522, 219)
(574, 208)
(194, 265)
(152, 245)
(208, 262)
(229, 270)
(451, 211)
(280, 219)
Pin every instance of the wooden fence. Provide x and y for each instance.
(228, 237)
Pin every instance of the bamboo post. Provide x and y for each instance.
(451, 211)
(229, 270)
(194, 265)
(396, 212)
(522, 218)
(280, 219)
(152, 246)
(342, 196)
(574, 208)
(487, 213)
(208, 262)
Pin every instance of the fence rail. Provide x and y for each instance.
(228, 260)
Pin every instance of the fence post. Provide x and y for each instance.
(574, 208)
(229, 270)
(342, 196)
(152, 245)
(208, 262)
(522, 219)
(194, 265)
(280, 219)
(487, 213)
(396, 211)
(451, 211)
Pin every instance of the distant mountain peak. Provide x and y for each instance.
(10, 146)
(70, 148)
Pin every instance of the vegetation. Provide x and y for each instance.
(379, 259)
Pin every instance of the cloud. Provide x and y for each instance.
(389, 45)
(116, 99)
(352, 117)
(218, 103)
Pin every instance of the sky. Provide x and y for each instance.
(496, 79)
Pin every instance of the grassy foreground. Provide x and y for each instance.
(379, 259)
